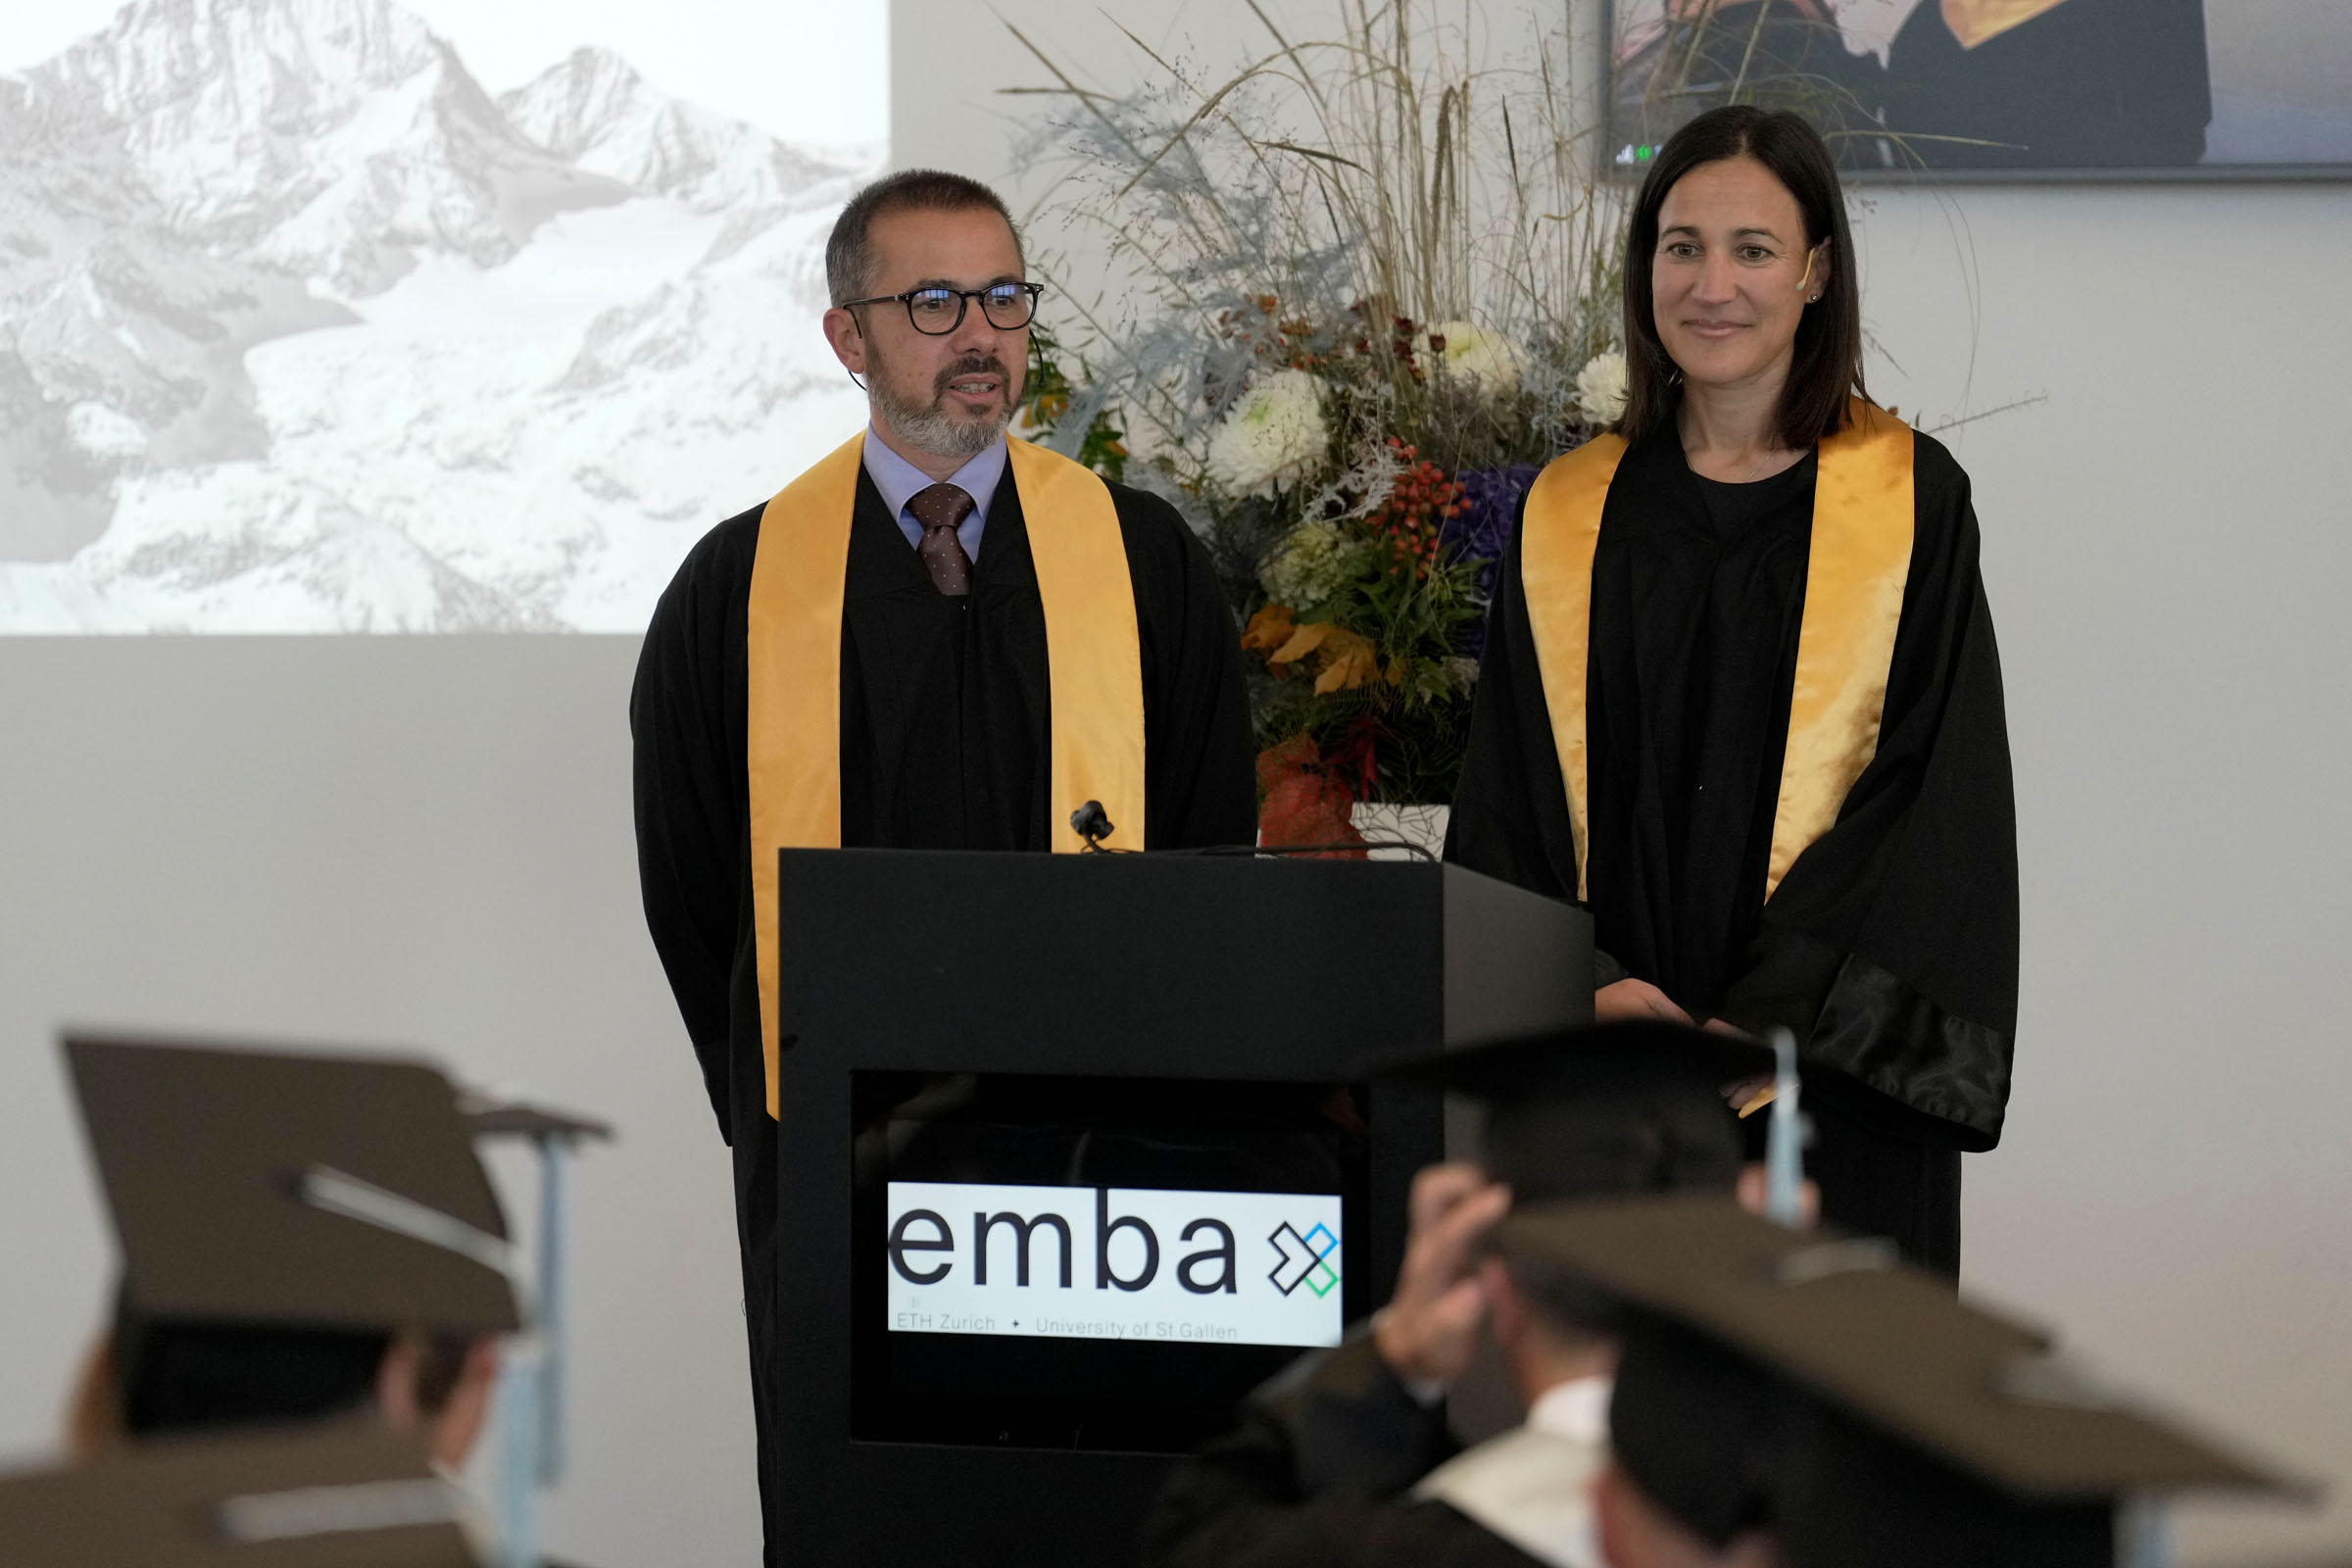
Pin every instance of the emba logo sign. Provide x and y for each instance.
(1113, 1262)
(1305, 1259)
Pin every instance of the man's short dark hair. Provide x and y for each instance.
(849, 255)
(1566, 1303)
(185, 1376)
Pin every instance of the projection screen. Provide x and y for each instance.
(339, 316)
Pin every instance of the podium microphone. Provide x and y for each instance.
(1093, 824)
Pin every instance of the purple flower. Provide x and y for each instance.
(1482, 527)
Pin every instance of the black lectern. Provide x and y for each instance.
(1075, 1150)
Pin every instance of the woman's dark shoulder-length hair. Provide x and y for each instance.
(1828, 362)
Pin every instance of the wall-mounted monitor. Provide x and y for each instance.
(2004, 88)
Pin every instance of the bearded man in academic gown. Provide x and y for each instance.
(936, 638)
(1741, 696)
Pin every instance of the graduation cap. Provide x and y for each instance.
(349, 1495)
(280, 1217)
(1618, 1108)
(1937, 1432)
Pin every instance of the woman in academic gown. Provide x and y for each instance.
(1741, 696)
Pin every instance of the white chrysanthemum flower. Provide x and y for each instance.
(1488, 362)
(1600, 388)
(1311, 565)
(1274, 433)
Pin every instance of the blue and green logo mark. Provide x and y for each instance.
(1304, 1260)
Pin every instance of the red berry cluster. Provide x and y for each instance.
(1419, 506)
(1404, 333)
(1405, 330)
(1292, 344)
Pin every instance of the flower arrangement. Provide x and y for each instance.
(1370, 291)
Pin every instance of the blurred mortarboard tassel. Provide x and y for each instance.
(1621, 1107)
(347, 1495)
(262, 1189)
(1940, 1433)
(491, 1113)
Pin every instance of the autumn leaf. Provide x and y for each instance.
(1279, 761)
(1303, 802)
(1269, 628)
(1307, 809)
(1350, 660)
(1305, 641)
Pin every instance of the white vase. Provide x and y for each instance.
(1422, 826)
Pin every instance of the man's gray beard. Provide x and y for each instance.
(934, 429)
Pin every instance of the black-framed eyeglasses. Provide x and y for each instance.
(937, 311)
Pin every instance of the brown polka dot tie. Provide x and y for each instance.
(941, 509)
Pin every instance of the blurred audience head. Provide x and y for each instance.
(303, 1238)
(153, 1380)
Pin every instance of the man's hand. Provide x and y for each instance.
(1635, 999)
(1428, 1331)
(1756, 1190)
(1746, 1091)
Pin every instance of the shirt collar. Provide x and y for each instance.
(1578, 1408)
(899, 480)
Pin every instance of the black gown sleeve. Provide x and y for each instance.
(1890, 948)
(1510, 807)
(686, 728)
(1314, 1475)
(1200, 753)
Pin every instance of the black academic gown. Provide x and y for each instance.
(1889, 948)
(944, 745)
(1318, 1475)
(2090, 84)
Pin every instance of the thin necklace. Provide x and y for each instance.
(1751, 474)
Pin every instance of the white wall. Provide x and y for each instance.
(425, 843)
(410, 842)
(2167, 544)
(2168, 540)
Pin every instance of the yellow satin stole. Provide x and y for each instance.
(1094, 669)
(1974, 22)
(1859, 561)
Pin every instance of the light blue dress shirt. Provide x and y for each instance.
(898, 481)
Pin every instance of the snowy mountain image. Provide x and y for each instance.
(303, 330)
